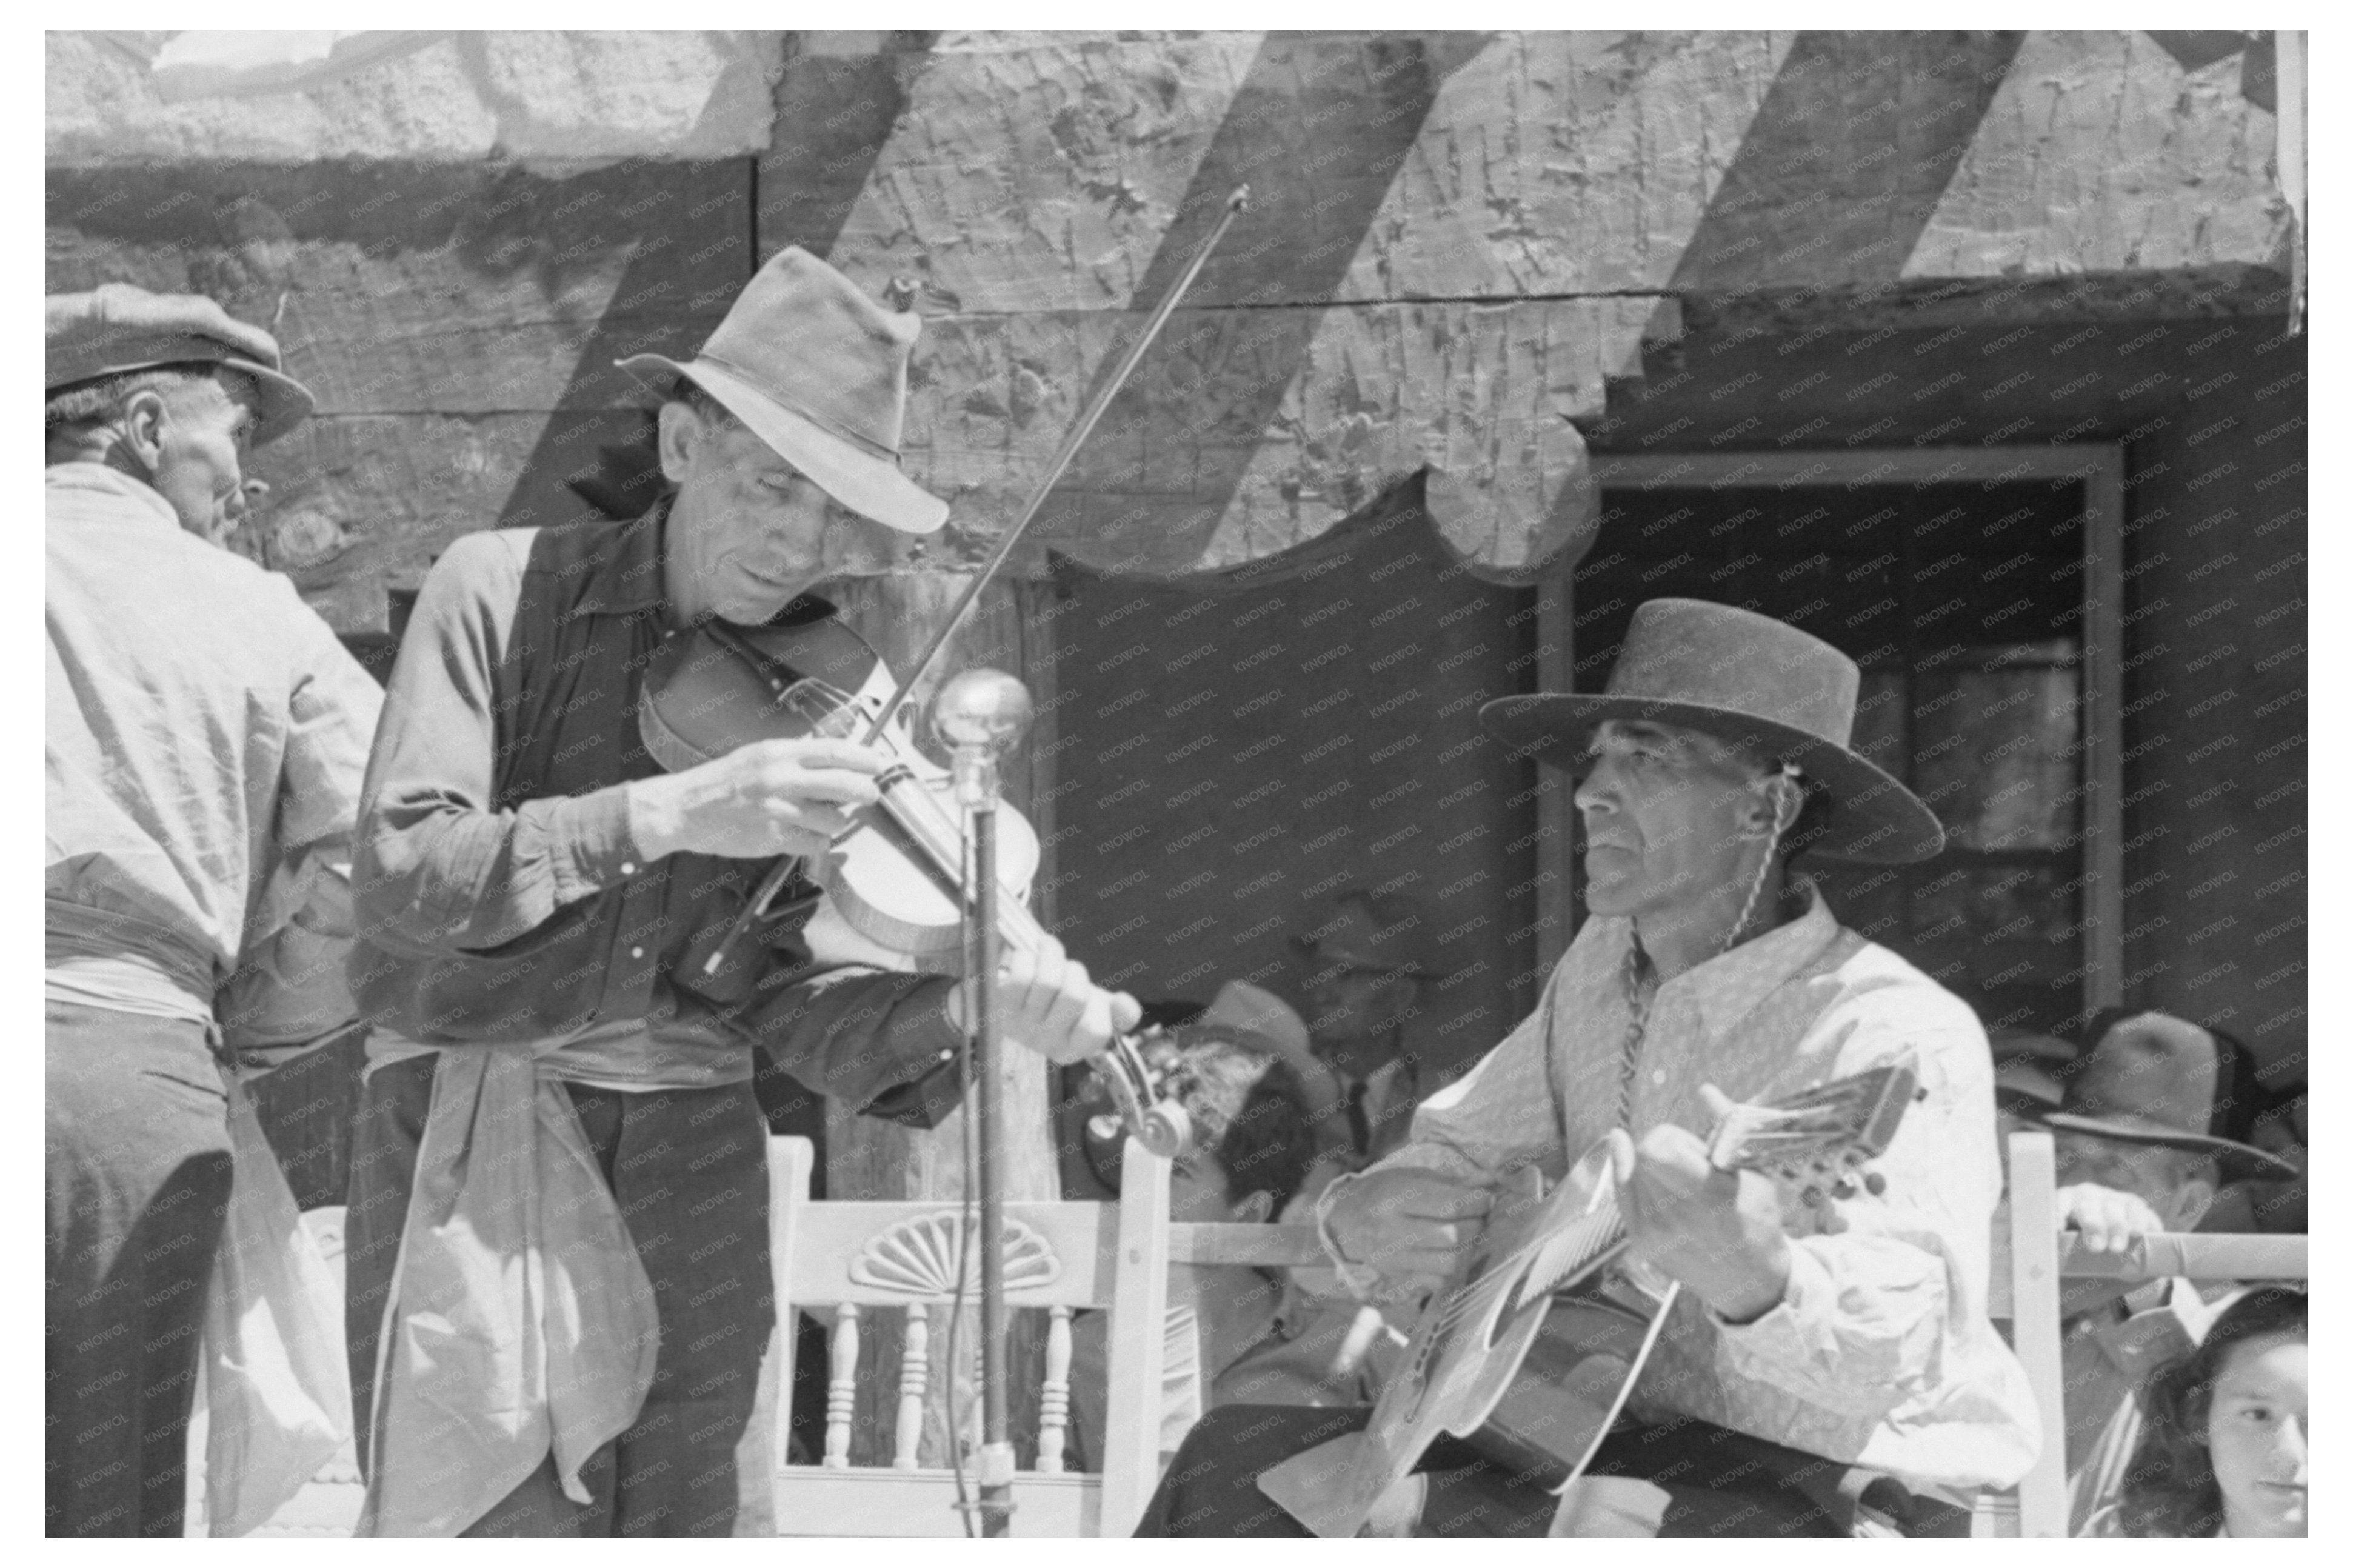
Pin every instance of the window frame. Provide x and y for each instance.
(2097, 466)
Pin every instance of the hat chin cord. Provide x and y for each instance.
(1765, 865)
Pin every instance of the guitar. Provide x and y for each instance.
(1543, 1295)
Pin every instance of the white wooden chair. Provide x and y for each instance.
(854, 1259)
(2028, 1265)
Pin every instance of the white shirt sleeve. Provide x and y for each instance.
(1870, 1313)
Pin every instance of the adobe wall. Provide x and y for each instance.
(1458, 243)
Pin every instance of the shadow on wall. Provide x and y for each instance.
(1235, 750)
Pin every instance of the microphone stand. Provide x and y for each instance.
(977, 713)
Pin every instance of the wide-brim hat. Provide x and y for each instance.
(1748, 678)
(818, 371)
(118, 328)
(2237, 1161)
(2150, 1078)
(1370, 932)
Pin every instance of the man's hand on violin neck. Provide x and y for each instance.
(1410, 1227)
(769, 798)
(1046, 1002)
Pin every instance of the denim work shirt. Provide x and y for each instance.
(206, 736)
(1880, 1352)
(501, 899)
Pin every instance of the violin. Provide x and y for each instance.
(898, 877)
(897, 880)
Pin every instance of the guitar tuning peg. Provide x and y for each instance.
(1875, 1184)
(1841, 1188)
(1919, 1094)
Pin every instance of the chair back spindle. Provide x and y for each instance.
(1054, 1398)
(914, 1381)
(841, 1392)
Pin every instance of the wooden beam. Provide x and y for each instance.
(2103, 731)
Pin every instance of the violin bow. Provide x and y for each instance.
(1077, 437)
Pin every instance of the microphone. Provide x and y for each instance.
(978, 716)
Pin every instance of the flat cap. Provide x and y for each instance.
(117, 328)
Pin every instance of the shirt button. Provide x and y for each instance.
(636, 952)
(1658, 1075)
(628, 868)
(947, 1056)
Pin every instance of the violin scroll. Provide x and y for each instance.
(1160, 1124)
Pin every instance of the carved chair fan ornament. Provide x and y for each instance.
(920, 1257)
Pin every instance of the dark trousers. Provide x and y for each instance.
(1692, 1480)
(137, 1153)
(689, 1169)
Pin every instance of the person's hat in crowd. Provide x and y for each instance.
(818, 371)
(1375, 932)
(1267, 1019)
(2240, 1094)
(118, 328)
(1743, 677)
(2149, 1079)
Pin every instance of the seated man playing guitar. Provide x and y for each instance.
(1815, 1366)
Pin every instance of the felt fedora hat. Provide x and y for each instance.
(118, 328)
(1370, 932)
(2150, 1079)
(1746, 678)
(818, 371)
(1256, 1011)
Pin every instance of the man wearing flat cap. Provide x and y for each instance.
(557, 1235)
(1825, 1369)
(205, 741)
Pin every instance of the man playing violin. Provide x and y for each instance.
(558, 1226)
(1816, 1374)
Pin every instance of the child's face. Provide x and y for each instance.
(2255, 1433)
(1196, 1191)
